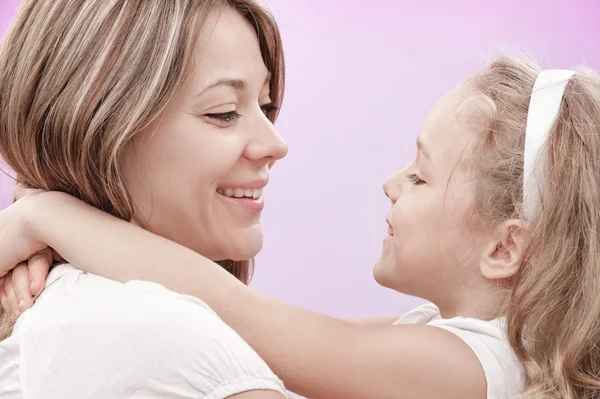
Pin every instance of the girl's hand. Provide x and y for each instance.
(25, 262)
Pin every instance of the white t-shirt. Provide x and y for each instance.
(503, 372)
(90, 337)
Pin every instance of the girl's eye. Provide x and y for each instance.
(414, 179)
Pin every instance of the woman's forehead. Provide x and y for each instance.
(227, 47)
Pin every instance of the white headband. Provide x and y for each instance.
(544, 106)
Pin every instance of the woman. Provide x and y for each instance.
(160, 113)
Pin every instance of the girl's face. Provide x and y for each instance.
(197, 176)
(430, 252)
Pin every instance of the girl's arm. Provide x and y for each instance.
(315, 355)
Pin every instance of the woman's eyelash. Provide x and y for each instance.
(269, 108)
(414, 179)
(227, 117)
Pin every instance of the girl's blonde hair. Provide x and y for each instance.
(553, 314)
(80, 78)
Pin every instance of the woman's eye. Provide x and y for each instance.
(414, 179)
(226, 117)
(229, 117)
(268, 109)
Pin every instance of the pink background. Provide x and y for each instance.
(361, 77)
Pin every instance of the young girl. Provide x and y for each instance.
(495, 222)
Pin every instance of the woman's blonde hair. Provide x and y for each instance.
(80, 78)
(553, 313)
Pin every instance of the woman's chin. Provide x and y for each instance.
(244, 255)
(244, 248)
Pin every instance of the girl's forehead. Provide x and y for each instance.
(444, 135)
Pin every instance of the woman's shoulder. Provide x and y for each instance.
(89, 330)
(78, 303)
(72, 294)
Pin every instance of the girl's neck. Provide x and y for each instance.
(485, 303)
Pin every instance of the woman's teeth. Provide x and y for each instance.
(254, 193)
(390, 231)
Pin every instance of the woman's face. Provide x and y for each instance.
(197, 175)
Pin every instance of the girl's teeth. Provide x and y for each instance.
(238, 192)
(229, 192)
(390, 231)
